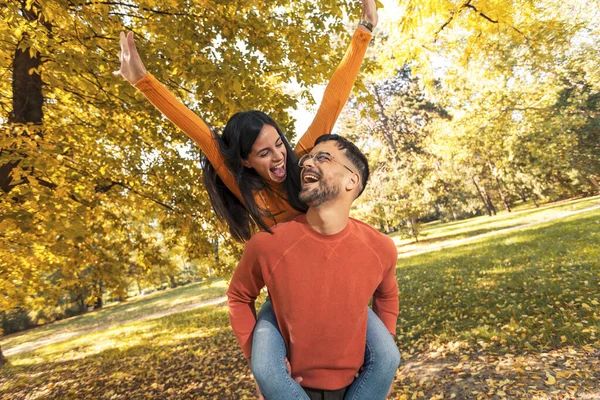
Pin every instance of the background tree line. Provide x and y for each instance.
(490, 104)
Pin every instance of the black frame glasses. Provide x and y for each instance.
(320, 157)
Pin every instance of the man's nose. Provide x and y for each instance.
(309, 162)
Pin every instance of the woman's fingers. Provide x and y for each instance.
(131, 45)
(297, 379)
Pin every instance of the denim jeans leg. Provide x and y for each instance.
(268, 359)
(382, 359)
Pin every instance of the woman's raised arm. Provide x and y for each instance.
(133, 70)
(341, 83)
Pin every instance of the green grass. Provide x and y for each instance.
(521, 290)
(436, 232)
(116, 314)
(516, 315)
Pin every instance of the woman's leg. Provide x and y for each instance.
(382, 359)
(268, 359)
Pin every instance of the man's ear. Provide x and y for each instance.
(353, 182)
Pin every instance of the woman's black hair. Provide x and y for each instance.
(235, 144)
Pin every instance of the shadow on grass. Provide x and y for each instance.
(120, 313)
(532, 289)
(483, 224)
(188, 355)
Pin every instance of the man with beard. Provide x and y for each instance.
(321, 270)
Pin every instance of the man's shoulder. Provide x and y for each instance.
(375, 239)
(280, 234)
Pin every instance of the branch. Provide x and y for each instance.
(472, 7)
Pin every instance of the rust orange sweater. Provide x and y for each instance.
(335, 96)
(320, 287)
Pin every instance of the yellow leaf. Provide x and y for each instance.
(551, 380)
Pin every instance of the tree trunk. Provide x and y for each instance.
(3, 360)
(489, 200)
(99, 303)
(217, 250)
(503, 195)
(534, 198)
(482, 196)
(27, 93)
(413, 228)
(523, 195)
(595, 183)
(499, 184)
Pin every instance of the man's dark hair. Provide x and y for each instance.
(353, 153)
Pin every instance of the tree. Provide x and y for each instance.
(93, 180)
(403, 171)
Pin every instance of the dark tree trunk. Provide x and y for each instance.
(523, 195)
(99, 303)
(482, 196)
(217, 251)
(534, 198)
(27, 94)
(489, 201)
(3, 360)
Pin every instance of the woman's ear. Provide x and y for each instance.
(246, 163)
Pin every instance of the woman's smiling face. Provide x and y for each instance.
(268, 155)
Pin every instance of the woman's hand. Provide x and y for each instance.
(132, 67)
(369, 11)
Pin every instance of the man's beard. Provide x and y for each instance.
(319, 195)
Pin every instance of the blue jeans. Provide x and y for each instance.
(382, 359)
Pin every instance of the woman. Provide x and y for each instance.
(253, 181)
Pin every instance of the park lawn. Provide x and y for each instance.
(514, 315)
(435, 232)
(138, 307)
(510, 316)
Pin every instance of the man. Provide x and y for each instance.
(321, 269)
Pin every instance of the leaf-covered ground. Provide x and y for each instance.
(513, 316)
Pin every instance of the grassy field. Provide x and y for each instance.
(436, 232)
(138, 308)
(514, 316)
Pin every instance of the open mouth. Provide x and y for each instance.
(278, 171)
(310, 177)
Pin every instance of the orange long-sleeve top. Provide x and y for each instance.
(335, 96)
(320, 300)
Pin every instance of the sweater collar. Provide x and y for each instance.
(336, 237)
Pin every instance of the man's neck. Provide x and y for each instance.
(328, 220)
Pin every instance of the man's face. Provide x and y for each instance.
(322, 181)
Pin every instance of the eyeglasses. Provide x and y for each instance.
(318, 158)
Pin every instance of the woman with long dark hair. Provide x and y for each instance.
(252, 177)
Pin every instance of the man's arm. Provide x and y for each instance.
(245, 286)
(385, 298)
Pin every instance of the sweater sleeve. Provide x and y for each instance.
(385, 298)
(190, 123)
(243, 290)
(337, 92)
